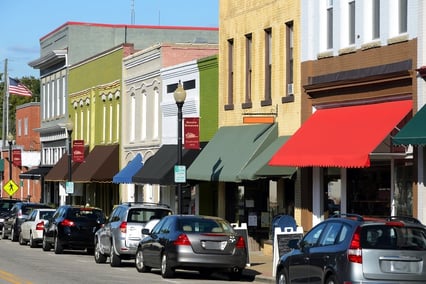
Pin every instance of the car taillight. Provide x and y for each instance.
(40, 226)
(182, 240)
(241, 243)
(354, 251)
(67, 223)
(123, 227)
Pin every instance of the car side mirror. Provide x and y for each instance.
(145, 231)
(293, 243)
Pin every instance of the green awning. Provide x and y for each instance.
(259, 167)
(230, 150)
(414, 132)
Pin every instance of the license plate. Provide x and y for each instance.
(214, 245)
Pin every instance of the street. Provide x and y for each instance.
(25, 265)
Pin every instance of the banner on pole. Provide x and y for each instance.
(192, 132)
(78, 151)
(16, 157)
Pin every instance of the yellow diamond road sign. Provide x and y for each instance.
(10, 187)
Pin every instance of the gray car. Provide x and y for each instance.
(355, 250)
(120, 236)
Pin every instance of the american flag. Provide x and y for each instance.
(17, 88)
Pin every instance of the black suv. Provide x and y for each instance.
(18, 213)
(5, 205)
(73, 227)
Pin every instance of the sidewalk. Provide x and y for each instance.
(260, 267)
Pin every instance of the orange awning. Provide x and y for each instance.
(341, 137)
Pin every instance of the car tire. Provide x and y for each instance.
(58, 246)
(166, 270)
(31, 242)
(13, 236)
(3, 233)
(236, 274)
(281, 277)
(21, 240)
(114, 258)
(139, 262)
(45, 245)
(99, 256)
(331, 280)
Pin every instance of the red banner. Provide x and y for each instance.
(192, 132)
(16, 157)
(78, 151)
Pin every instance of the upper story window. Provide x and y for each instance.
(268, 67)
(376, 19)
(249, 54)
(289, 64)
(352, 22)
(329, 24)
(403, 12)
(230, 99)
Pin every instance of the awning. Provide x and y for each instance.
(230, 150)
(159, 169)
(59, 172)
(36, 173)
(259, 168)
(99, 166)
(127, 173)
(414, 132)
(341, 137)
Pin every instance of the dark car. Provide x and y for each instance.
(202, 243)
(72, 227)
(18, 213)
(5, 205)
(353, 249)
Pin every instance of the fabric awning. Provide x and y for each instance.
(230, 150)
(59, 172)
(159, 169)
(414, 132)
(99, 166)
(259, 167)
(35, 173)
(341, 137)
(127, 173)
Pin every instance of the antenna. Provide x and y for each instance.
(132, 12)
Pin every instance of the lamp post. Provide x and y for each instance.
(10, 141)
(180, 96)
(69, 127)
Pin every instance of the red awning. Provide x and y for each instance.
(341, 137)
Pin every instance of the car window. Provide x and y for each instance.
(312, 237)
(143, 215)
(344, 233)
(329, 237)
(204, 225)
(167, 226)
(32, 216)
(115, 216)
(157, 228)
(393, 237)
(45, 215)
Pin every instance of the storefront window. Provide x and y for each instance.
(403, 194)
(332, 187)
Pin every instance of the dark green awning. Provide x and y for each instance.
(414, 132)
(230, 150)
(259, 167)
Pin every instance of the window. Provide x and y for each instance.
(268, 66)
(376, 19)
(352, 22)
(249, 43)
(311, 238)
(230, 103)
(289, 61)
(132, 117)
(402, 16)
(330, 234)
(19, 127)
(26, 126)
(330, 25)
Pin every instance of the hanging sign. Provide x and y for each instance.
(192, 132)
(78, 151)
(16, 157)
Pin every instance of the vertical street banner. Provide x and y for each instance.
(192, 132)
(16, 157)
(78, 151)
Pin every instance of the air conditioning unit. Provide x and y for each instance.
(290, 90)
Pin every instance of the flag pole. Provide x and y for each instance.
(5, 120)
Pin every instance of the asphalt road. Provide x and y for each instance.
(25, 265)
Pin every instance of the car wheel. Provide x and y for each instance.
(3, 233)
(282, 277)
(32, 243)
(166, 270)
(21, 240)
(58, 247)
(331, 280)
(99, 257)
(115, 259)
(45, 245)
(140, 265)
(13, 237)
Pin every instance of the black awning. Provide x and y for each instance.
(35, 173)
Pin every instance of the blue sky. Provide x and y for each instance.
(24, 22)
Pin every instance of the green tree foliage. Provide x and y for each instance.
(31, 83)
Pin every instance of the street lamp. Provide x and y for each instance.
(10, 141)
(180, 96)
(69, 127)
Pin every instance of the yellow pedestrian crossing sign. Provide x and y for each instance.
(10, 187)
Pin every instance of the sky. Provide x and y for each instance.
(24, 22)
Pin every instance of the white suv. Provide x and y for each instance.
(120, 236)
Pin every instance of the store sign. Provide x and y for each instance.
(192, 132)
(16, 157)
(78, 151)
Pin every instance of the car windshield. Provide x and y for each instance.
(201, 225)
(393, 237)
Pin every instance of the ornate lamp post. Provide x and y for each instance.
(69, 126)
(10, 141)
(180, 96)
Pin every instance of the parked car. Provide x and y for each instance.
(33, 226)
(203, 243)
(72, 227)
(18, 213)
(352, 249)
(121, 234)
(5, 205)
